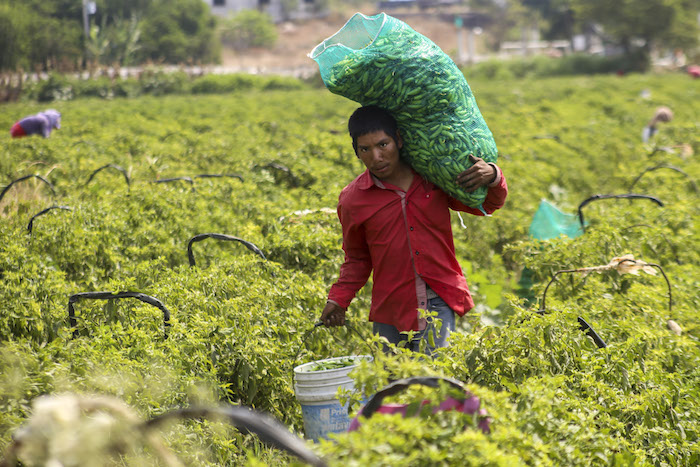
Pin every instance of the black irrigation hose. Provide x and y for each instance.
(112, 295)
(219, 176)
(168, 135)
(190, 180)
(176, 179)
(53, 190)
(88, 143)
(292, 179)
(31, 221)
(582, 323)
(554, 277)
(585, 327)
(564, 271)
(599, 197)
(554, 137)
(111, 166)
(189, 141)
(664, 165)
(375, 402)
(200, 237)
(268, 429)
(668, 284)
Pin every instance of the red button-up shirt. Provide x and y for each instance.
(402, 237)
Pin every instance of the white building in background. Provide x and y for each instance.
(279, 10)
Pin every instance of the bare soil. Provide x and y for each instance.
(297, 39)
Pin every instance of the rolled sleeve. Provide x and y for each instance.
(495, 196)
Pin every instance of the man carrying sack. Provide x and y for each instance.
(396, 225)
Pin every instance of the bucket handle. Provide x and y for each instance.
(399, 385)
(319, 324)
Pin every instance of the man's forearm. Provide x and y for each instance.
(353, 276)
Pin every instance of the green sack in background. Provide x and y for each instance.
(549, 222)
(380, 60)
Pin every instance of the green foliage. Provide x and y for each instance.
(158, 82)
(656, 22)
(32, 39)
(115, 43)
(178, 31)
(154, 81)
(542, 67)
(248, 28)
(240, 324)
(56, 87)
(9, 37)
(48, 35)
(557, 15)
(217, 84)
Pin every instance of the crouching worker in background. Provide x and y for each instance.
(396, 225)
(661, 115)
(40, 124)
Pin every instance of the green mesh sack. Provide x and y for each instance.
(549, 222)
(380, 60)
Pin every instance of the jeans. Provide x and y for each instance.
(444, 314)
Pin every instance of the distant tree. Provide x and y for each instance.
(249, 28)
(125, 40)
(10, 52)
(557, 15)
(508, 18)
(177, 31)
(53, 41)
(639, 25)
(46, 33)
(114, 10)
(97, 46)
(32, 37)
(62, 9)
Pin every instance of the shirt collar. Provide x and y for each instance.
(367, 180)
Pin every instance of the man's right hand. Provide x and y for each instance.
(479, 174)
(333, 315)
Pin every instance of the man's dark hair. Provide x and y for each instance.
(369, 119)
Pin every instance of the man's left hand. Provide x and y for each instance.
(479, 174)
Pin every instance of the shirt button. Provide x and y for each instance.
(427, 196)
(416, 252)
(411, 229)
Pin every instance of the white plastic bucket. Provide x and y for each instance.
(316, 391)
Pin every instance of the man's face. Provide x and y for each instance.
(380, 154)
